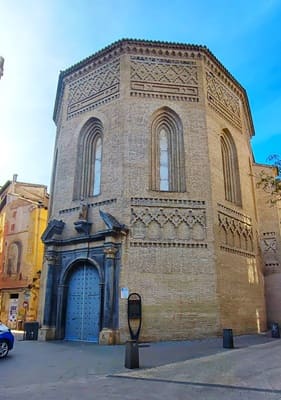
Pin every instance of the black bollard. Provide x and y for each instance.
(228, 339)
(31, 330)
(132, 354)
(275, 333)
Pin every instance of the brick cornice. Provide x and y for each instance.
(149, 48)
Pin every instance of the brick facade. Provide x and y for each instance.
(192, 255)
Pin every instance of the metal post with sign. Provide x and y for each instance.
(134, 323)
(134, 315)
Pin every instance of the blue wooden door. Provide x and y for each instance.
(83, 305)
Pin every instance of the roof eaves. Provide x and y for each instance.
(4, 187)
(122, 42)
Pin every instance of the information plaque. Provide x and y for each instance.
(134, 315)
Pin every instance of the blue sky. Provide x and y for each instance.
(40, 38)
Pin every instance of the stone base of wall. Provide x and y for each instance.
(47, 333)
(109, 337)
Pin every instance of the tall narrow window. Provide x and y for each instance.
(167, 155)
(97, 167)
(164, 160)
(230, 169)
(89, 160)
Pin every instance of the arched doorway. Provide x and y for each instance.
(82, 320)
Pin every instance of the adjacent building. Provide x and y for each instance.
(269, 212)
(153, 191)
(23, 218)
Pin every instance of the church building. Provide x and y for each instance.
(153, 192)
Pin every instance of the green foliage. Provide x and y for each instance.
(271, 183)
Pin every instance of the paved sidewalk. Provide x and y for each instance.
(252, 372)
(169, 370)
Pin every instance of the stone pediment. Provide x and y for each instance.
(55, 227)
(112, 223)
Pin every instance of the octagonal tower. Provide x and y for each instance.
(152, 193)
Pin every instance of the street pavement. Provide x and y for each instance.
(199, 369)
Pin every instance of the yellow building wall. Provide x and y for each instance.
(33, 258)
(26, 228)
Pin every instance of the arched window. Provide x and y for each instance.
(89, 160)
(230, 169)
(164, 160)
(14, 258)
(167, 156)
(97, 166)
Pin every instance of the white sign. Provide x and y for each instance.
(124, 293)
(26, 295)
(13, 310)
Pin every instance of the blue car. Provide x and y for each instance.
(6, 340)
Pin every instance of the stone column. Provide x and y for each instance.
(47, 322)
(60, 322)
(108, 335)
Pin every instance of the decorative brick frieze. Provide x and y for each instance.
(69, 210)
(269, 253)
(269, 243)
(169, 244)
(90, 205)
(154, 223)
(164, 78)
(272, 268)
(97, 87)
(179, 203)
(223, 100)
(237, 251)
(154, 49)
(236, 232)
(234, 213)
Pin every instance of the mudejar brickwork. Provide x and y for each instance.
(153, 191)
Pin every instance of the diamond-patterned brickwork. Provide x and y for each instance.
(269, 252)
(236, 232)
(223, 100)
(97, 87)
(156, 77)
(164, 224)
